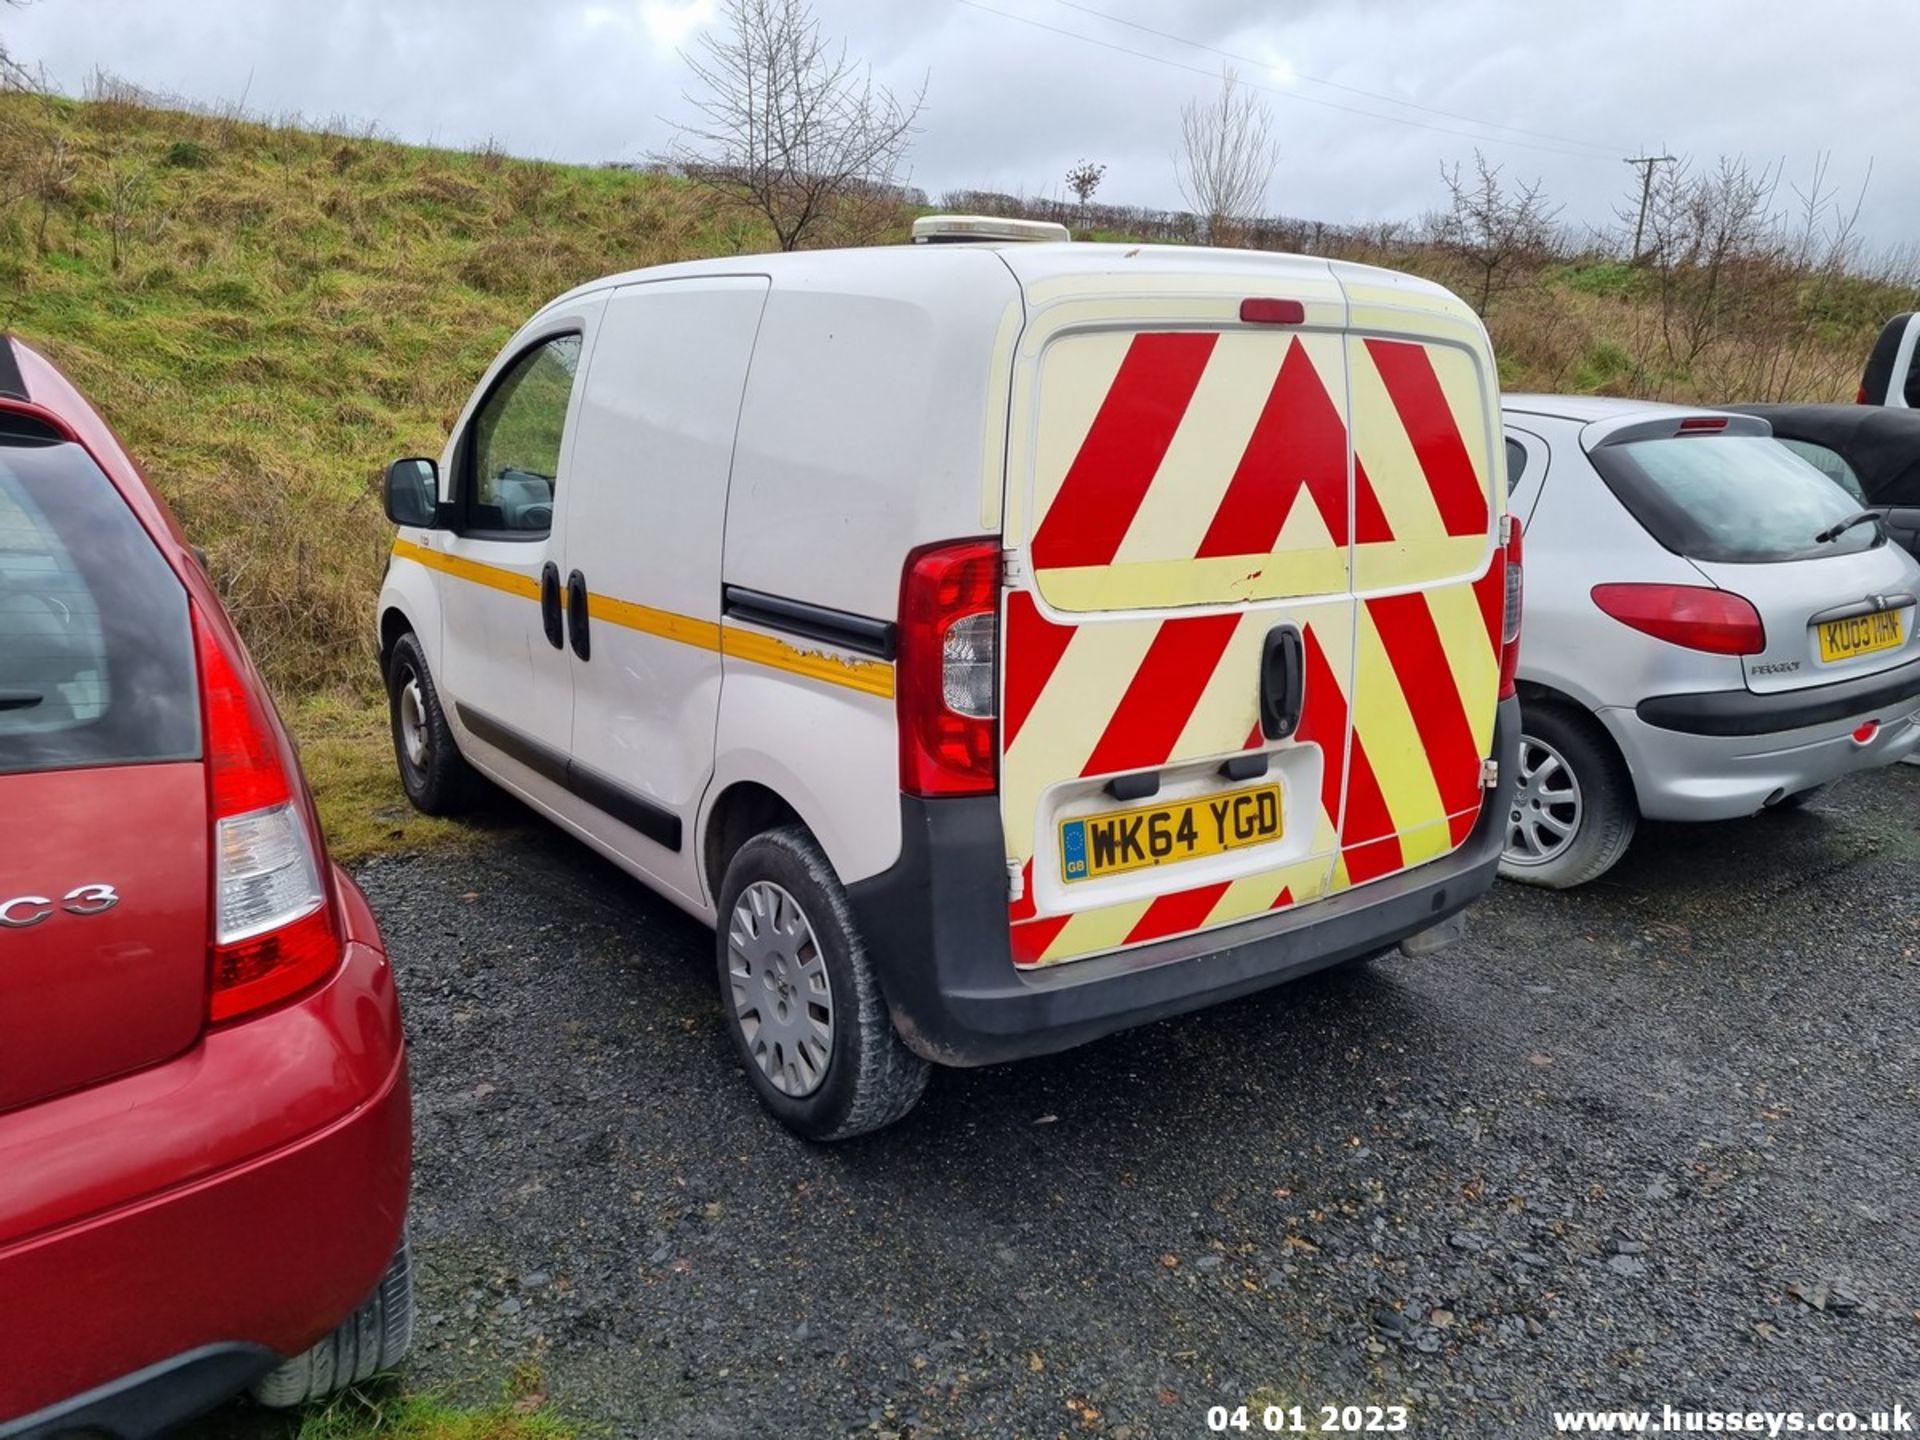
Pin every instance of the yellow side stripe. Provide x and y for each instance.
(871, 677)
(494, 577)
(703, 634)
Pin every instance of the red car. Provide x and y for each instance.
(204, 1119)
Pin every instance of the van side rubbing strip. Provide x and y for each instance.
(13, 385)
(858, 633)
(659, 825)
(871, 677)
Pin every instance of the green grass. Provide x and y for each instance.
(347, 752)
(290, 310)
(376, 1415)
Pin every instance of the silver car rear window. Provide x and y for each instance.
(1732, 499)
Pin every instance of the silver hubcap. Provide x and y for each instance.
(413, 722)
(1547, 808)
(781, 994)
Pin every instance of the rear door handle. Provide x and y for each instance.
(1283, 682)
(577, 616)
(550, 619)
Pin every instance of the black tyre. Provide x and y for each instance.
(802, 1003)
(433, 772)
(375, 1337)
(1573, 812)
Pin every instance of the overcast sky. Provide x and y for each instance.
(1010, 105)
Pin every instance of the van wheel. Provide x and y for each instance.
(1573, 811)
(802, 1002)
(375, 1337)
(433, 772)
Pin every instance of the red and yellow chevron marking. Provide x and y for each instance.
(1183, 468)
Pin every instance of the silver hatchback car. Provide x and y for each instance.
(1712, 627)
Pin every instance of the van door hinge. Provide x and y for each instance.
(1489, 774)
(1013, 569)
(1016, 879)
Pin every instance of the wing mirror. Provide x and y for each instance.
(413, 492)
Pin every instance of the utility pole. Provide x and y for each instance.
(1646, 162)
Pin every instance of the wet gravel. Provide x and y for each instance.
(1652, 1141)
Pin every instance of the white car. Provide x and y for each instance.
(1001, 644)
(1714, 627)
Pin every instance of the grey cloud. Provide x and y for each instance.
(1009, 106)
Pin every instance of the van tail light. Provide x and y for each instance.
(1695, 616)
(273, 927)
(1510, 533)
(947, 669)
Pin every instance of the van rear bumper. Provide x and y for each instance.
(936, 926)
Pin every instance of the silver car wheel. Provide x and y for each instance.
(413, 722)
(1547, 807)
(781, 994)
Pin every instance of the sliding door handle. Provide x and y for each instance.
(577, 616)
(550, 618)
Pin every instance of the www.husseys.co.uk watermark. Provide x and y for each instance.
(1669, 1421)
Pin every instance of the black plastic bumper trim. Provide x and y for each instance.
(936, 925)
(656, 822)
(151, 1400)
(1741, 712)
(844, 631)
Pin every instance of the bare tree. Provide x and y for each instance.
(1083, 179)
(792, 129)
(1226, 158)
(1494, 231)
(1747, 278)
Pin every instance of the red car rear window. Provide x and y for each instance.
(96, 646)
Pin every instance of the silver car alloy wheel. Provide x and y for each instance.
(413, 721)
(782, 996)
(1547, 807)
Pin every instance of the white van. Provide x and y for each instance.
(1001, 644)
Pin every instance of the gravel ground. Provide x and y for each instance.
(1649, 1142)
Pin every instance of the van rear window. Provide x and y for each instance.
(96, 643)
(1731, 499)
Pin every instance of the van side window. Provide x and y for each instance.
(514, 447)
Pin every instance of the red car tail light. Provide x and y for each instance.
(273, 924)
(947, 669)
(1511, 531)
(1695, 616)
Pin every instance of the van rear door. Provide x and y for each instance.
(1185, 652)
(1430, 593)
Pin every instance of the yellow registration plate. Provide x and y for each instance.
(1861, 635)
(1133, 839)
